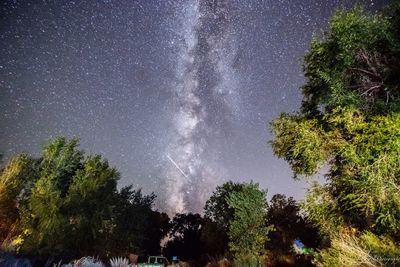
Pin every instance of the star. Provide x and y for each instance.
(137, 80)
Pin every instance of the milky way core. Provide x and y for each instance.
(201, 100)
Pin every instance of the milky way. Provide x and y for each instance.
(177, 95)
(202, 101)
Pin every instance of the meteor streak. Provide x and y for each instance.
(176, 165)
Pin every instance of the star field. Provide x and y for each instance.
(176, 94)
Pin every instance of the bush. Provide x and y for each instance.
(366, 249)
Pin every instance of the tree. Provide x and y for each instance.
(215, 239)
(66, 204)
(218, 215)
(16, 181)
(58, 204)
(69, 210)
(185, 234)
(247, 230)
(158, 225)
(364, 249)
(138, 229)
(350, 123)
(284, 214)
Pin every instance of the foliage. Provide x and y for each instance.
(16, 181)
(284, 214)
(217, 208)
(138, 228)
(350, 123)
(119, 262)
(214, 238)
(367, 249)
(323, 209)
(218, 215)
(70, 206)
(355, 64)
(247, 230)
(364, 170)
(66, 204)
(185, 234)
(86, 262)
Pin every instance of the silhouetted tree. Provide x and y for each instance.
(138, 229)
(283, 215)
(289, 225)
(185, 234)
(214, 238)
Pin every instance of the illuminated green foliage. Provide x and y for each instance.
(70, 206)
(248, 230)
(66, 204)
(16, 181)
(350, 124)
(366, 249)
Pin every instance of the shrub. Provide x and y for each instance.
(351, 249)
(119, 262)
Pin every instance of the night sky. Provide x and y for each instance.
(177, 95)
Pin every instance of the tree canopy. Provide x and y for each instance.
(67, 204)
(219, 214)
(217, 208)
(289, 225)
(247, 230)
(71, 199)
(185, 237)
(350, 122)
(16, 181)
